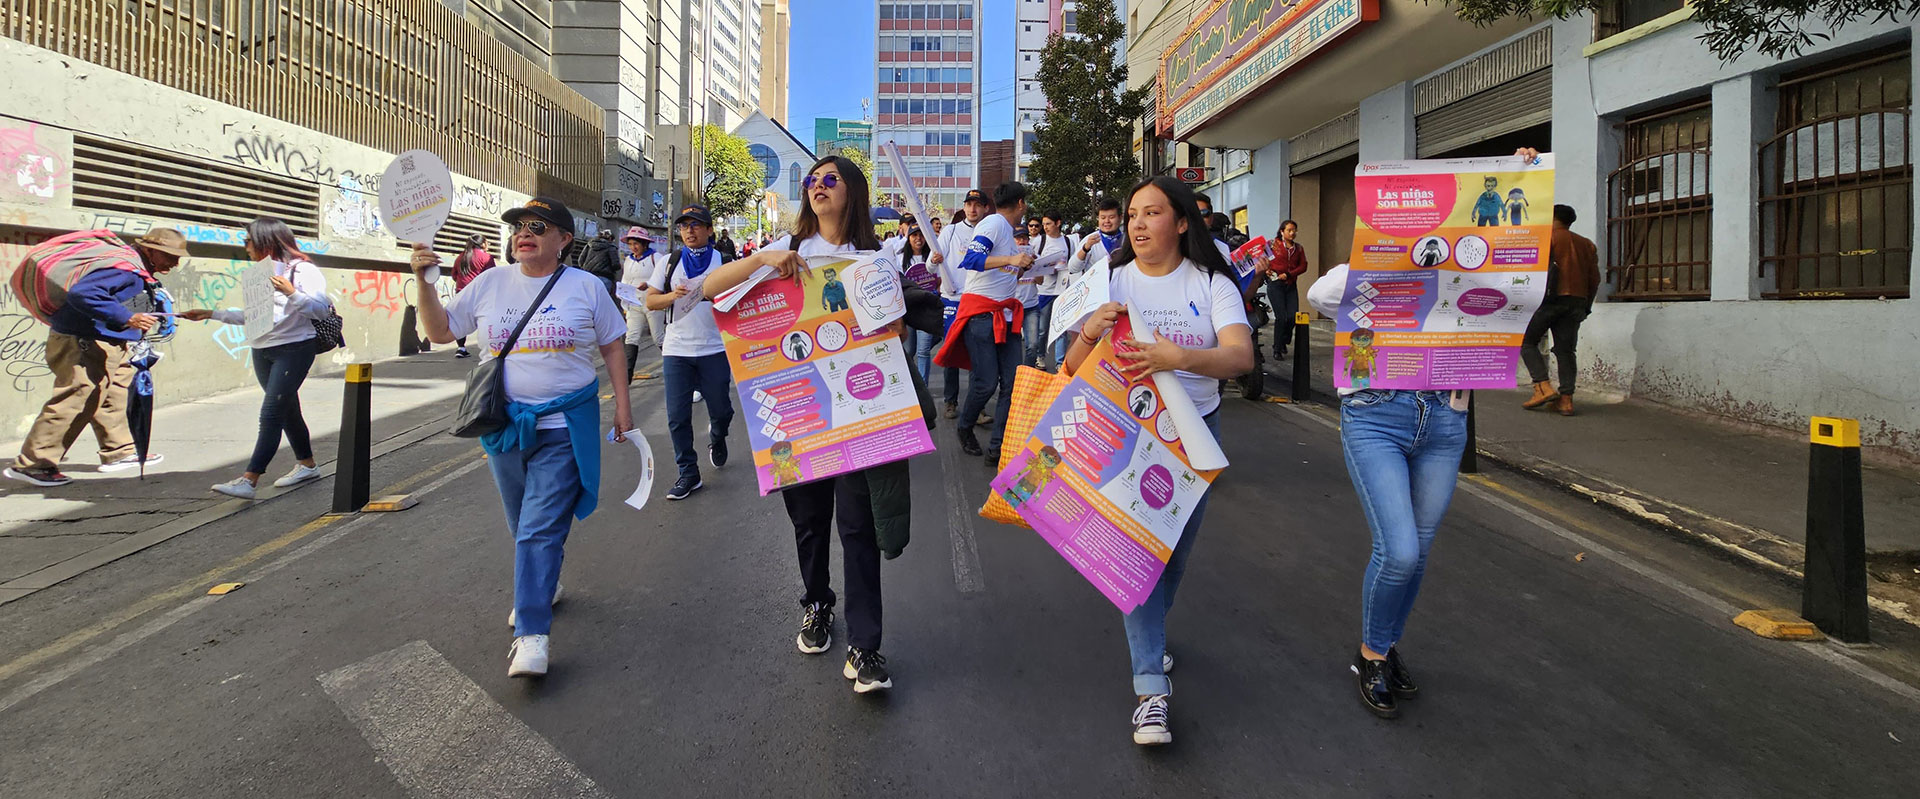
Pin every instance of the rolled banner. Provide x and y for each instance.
(1203, 452)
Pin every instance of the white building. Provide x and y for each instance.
(1754, 217)
(1034, 22)
(927, 97)
(786, 160)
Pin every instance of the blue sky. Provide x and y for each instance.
(830, 65)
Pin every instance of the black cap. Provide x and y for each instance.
(546, 208)
(697, 213)
(976, 196)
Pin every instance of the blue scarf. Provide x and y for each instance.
(582, 409)
(695, 262)
(1112, 243)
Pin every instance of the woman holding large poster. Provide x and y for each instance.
(836, 220)
(1169, 270)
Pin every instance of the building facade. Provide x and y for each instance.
(776, 28)
(166, 116)
(786, 160)
(996, 162)
(1747, 212)
(830, 135)
(1034, 22)
(927, 97)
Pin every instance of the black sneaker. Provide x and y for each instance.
(867, 669)
(683, 487)
(1150, 721)
(44, 478)
(1371, 678)
(816, 629)
(462, 353)
(717, 452)
(993, 457)
(1399, 680)
(969, 444)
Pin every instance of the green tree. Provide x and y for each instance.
(1778, 28)
(1083, 148)
(734, 178)
(859, 158)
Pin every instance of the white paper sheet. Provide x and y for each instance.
(731, 297)
(256, 293)
(1203, 452)
(1080, 298)
(629, 295)
(873, 286)
(638, 499)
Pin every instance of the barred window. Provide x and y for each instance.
(1660, 213)
(1836, 211)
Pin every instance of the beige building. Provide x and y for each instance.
(776, 26)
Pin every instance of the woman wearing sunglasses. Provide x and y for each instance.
(836, 220)
(546, 461)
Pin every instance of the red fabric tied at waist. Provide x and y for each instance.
(953, 351)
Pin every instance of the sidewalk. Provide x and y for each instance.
(1737, 486)
(51, 534)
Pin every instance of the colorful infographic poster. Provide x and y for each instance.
(819, 397)
(1449, 263)
(1105, 480)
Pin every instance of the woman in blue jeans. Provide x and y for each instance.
(546, 461)
(1169, 270)
(282, 356)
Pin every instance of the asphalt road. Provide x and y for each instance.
(1561, 652)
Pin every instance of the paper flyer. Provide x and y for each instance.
(875, 288)
(1092, 290)
(1449, 263)
(629, 295)
(1105, 479)
(256, 297)
(644, 489)
(821, 397)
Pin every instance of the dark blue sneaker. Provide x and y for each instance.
(684, 487)
(717, 451)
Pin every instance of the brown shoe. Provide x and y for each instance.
(1564, 405)
(1543, 393)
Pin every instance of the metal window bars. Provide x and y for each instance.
(1660, 207)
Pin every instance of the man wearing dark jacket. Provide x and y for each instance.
(602, 258)
(1573, 279)
(87, 354)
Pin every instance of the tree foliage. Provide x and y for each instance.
(1778, 28)
(859, 158)
(734, 177)
(1083, 148)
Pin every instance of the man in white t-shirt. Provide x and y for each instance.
(692, 354)
(951, 250)
(636, 268)
(989, 318)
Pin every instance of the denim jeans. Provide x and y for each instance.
(993, 368)
(1147, 624)
(1036, 325)
(538, 487)
(1403, 454)
(924, 344)
(280, 371)
(707, 374)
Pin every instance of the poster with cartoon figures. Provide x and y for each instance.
(820, 397)
(1449, 263)
(1105, 480)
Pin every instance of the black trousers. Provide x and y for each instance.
(811, 507)
(1561, 316)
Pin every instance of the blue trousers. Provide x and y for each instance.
(538, 487)
(993, 368)
(923, 346)
(1147, 624)
(1403, 454)
(707, 374)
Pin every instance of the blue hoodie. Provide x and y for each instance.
(96, 306)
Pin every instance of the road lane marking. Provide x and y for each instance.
(443, 737)
(967, 576)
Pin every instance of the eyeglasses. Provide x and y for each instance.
(534, 226)
(827, 181)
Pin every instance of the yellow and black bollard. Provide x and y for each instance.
(1302, 359)
(350, 476)
(1834, 592)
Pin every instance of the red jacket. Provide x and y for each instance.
(953, 351)
(468, 265)
(1290, 262)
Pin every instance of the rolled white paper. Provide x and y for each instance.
(1203, 452)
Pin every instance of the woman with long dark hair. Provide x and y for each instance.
(834, 220)
(282, 356)
(466, 266)
(917, 267)
(1171, 271)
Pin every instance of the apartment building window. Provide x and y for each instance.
(1836, 210)
(1611, 17)
(1070, 22)
(1660, 206)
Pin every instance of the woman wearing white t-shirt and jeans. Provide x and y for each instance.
(546, 461)
(282, 356)
(834, 221)
(1168, 270)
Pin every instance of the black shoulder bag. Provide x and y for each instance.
(483, 408)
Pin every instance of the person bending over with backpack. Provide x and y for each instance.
(102, 315)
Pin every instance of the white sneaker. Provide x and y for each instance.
(513, 616)
(1166, 662)
(697, 397)
(1150, 722)
(529, 654)
(237, 487)
(131, 462)
(300, 474)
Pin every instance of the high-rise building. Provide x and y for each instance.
(996, 162)
(928, 96)
(830, 135)
(723, 48)
(776, 26)
(1034, 22)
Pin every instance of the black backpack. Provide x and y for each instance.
(601, 260)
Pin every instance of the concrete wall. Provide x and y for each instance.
(1773, 362)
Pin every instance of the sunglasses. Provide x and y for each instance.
(534, 226)
(827, 181)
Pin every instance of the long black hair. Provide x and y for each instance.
(274, 239)
(857, 221)
(1196, 245)
(926, 247)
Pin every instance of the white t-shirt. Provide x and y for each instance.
(1054, 280)
(1095, 254)
(992, 238)
(554, 355)
(814, 245)
(691, 331)
(1190, 308)
(636, 271)
(953, 247)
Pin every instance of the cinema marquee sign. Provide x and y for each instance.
(1236, 46)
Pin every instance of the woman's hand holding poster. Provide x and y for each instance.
(1105, 479)
(1449, 263)
(821, 397)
